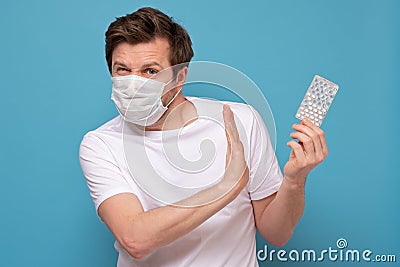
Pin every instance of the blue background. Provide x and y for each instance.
(55, 87)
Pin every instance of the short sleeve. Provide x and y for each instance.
(265, 174)
(102, 173)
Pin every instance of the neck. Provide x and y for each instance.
(180, 113)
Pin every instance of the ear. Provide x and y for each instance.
(181, 77)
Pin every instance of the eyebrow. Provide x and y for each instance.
(117, 63)
(145, 66)
(151, 64)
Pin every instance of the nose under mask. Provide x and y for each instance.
(138, 99)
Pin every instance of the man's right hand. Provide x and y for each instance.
(236, 170)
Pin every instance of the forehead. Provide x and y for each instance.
(140, 54)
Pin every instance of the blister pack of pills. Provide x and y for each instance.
(317, 100)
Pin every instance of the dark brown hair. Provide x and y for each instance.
(143, 26)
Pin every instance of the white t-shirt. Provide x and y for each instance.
(115, 158)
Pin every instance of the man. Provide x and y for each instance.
(217, 224)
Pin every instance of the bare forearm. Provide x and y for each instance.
(158, 227)
(281, 216)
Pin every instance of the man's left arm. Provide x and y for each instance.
(277, 215)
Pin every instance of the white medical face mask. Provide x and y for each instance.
(138, 99)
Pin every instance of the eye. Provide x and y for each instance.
(151, 71)
(122, 70)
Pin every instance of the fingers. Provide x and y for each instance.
(313, 139)
(306, 141)
(297, 150)
(230, 125)
(228, 132)
(320, 134)
(235, 147)
(236, 167)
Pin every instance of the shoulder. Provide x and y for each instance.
(94, 137)
(244, 112)
(241, 110)
(113, 125)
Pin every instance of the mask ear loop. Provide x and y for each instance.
(177, 93)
